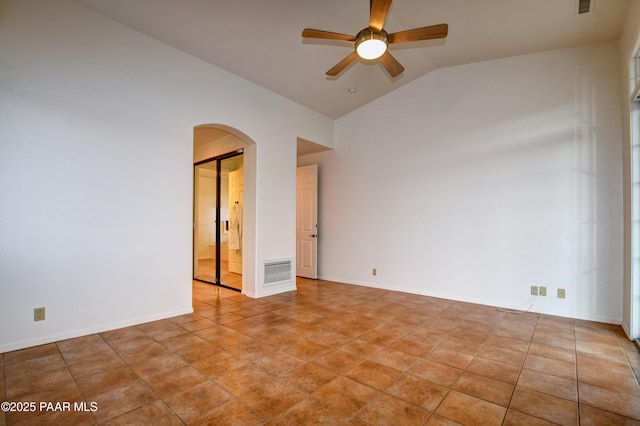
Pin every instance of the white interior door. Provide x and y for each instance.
(307, 221)
(236, 189)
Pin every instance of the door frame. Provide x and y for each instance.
(311, 271)
(218, 159)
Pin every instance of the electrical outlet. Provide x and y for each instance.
(534, 290)
(374, 271)
(561, 293)
(38, 314)
(543, 291)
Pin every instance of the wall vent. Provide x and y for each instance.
(277, 271)
(584, 6)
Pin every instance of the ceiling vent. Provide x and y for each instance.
(584, 6)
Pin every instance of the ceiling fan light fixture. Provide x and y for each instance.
(371, 44)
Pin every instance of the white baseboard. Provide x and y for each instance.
(487, 302)
(56, 337)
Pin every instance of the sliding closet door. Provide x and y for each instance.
(217, 219)
(232, 201)
(236, 187)
(204, 222)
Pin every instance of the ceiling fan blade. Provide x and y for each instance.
(343, 64)
(391, 64)
(311, 33)
(379, 10)
(424, 33)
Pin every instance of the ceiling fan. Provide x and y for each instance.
(372, 42)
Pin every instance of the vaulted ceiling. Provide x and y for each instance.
(260, 40)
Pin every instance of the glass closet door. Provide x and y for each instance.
(231, 202)
(218, 213)
(204, 247)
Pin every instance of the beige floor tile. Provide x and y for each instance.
(436, 420)
(468, 410)
(233, 413)
(97, 365)
(156, 413)
(373, 374)
(544, 406)
(22, 355)
(77, 350)
(422, 393)
(63, 393)
(506, 356)
(411, 346)
(607, 351)
(245, 380)
(307, 350)
(273, 400)
(494, 369)
(608, 400)
(485, 388)
(555, 338)
(516, 418)
(339, 361)
(278, 363)
(104, 381)
(435, 372)
(394, 359)
(554, 367)
(121, 400)
(36, 381)
(198, 402)
(314, 411)
(216, 365)
(361, 347)
(461, 344)
(346, 394)
(388, 410)
(190, 347)
(33, 366)
(514, 344)
(161, 330)
(549, 384)
(59, 418)
(450, 357)
(618, 377)
(309, 376)
(553, 352)
(590, 416)
(157, 364)
(175, 380)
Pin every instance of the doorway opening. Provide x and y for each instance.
(218, 220)
(214, 140)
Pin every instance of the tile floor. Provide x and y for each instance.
(207, 272)
(334, 354)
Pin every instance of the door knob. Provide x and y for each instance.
(313, 235)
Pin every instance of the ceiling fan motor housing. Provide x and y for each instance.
(371, 44)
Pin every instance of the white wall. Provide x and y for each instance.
(476, 182)
(96, 161)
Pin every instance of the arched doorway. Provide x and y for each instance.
(216, 141)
